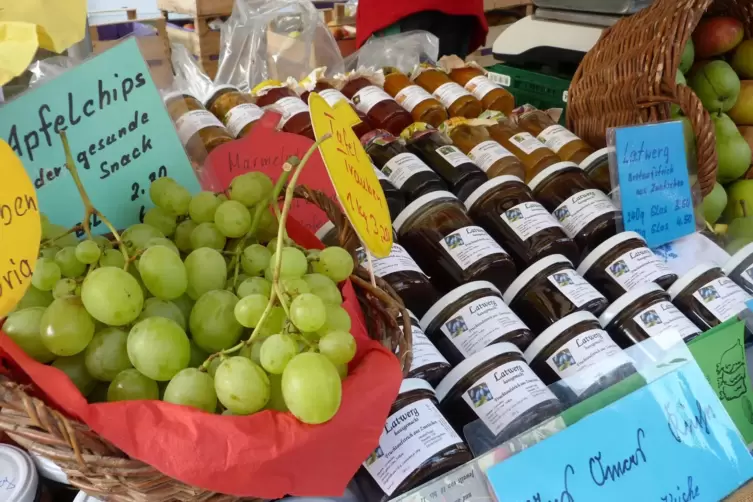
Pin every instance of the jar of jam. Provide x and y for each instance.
(493, 97)
(21, 483)
(596, 167)
(421, 105)
(395, 199)
(585, 212)
(497, 386)
(327, 233)
(438, 233)
(707, 296)
(469, 318)
(623, 262)
(427, 363)
(235, 109)
(295, 113)
(565, 144)
(505, 207)
(382, 111)
(317, 83)
(438, 152)
(434, 448)
(739, 268)
(458, 101)
(472, 138)
(550, 290)
(404, 170)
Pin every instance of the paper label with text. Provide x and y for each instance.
(290, 107)
(636, 267)
(450, 92)
(526, 142)
(240, 116)
(411, 96)
(452, 155)
(663, 318)
(379, 174)
(367, 97)
(402, 166)
(424, 352)
(480, 86)
(574, 287)
(528, 218)
(194, 121)
(722, 297)
(486, 153)
(748, 275)
(577, 212)
(556, 137)
(398, 261)
(333, 96)
(469, 245)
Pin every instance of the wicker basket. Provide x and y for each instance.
(97, 467)
(628, 77)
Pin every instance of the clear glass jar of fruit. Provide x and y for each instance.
(473, 78)
(458, 101)
(561, 141)
(414, 98)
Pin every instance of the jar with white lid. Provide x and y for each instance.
(427, 362)
(327, 233)
(596, 167)
(84, 497)
(19, 481)
(54, 478)
(739, 268)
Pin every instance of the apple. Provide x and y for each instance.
(714, 204)
(742, 112)
(739, 200)
(688, 55)
(733, 152)
(716, 35)
(742, 60)
(716, 85)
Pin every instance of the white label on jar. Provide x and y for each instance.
(379, 174)
(411, 436)
(636, 267)
(526, 142)
(586, 358)
(502, 395)
(479, 323)
(662, 318)
(424, 352)
(486, 153)
(240, 116)
(528, 219)
(449, 92)
(332, 96)
(411, 96)
(452, 155)
(556, 137)
(402, 166)
(581, 209)
(574, 287)
(480, 86)
(194, 121)
(722, 297)
(367, 97)
(469, 245)
(398, 261)
(747, 274)
(290, 107)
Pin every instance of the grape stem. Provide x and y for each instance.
(50, 242)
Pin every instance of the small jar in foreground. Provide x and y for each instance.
(236, 110)
(739, 268)
(422, 106)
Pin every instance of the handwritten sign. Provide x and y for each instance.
(654, 183)
(350, 170)
(20, 230)
(120, 135)
(670, 441)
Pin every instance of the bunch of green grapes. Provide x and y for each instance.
(188, 317)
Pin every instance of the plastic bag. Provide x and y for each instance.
(189, 76)
(45, 69)
(403, 51)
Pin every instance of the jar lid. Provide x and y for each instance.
(549, 171)
(549, 334)
(492, 183)
(604, 248)
(529, 273)
(410, 384)
(625, 300)
(174, 94)
(83, 497)
(452, 297)
(16, 466)
(693, 274)
(216, 89)
(469, 364)
(418, 204)
(737, 258)
(411, 315)
(594, 158)
(324, 230)
(49, 469)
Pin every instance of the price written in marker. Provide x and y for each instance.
(349, 168)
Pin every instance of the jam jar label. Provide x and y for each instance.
(452, 155)
(480, 86)
(194, 121)
(290, 107)
(379, 174)
(398, 261)
(581, 209)
(556, 137)
(486, 153)
(663, 318)
(411, 436)
(528, 218)
(332, 96)
(367, 97)
(636, 267)
(479, 323)
(526, 142)
(469, 245)
(411, 96)
(240, 116)
(449, 92)
(574, 287)
(402, 166)
(424, 352)
(502, 395)
(586, 358)
(722, 297)
(747, 275)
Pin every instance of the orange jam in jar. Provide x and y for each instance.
(235, 109)
(458, 101)
(422, 106)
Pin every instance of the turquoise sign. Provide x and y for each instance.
(120, 135)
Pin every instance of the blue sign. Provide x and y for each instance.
(654, 183)
(120, 135)
(671, 441)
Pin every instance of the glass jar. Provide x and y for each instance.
(332, 96)
(438, 233)
(382, 111)
(295, 113)
(21, 481)
(395, 199)
(235, 109)
(474, 140)
(739, 268)
(596, 167)
(421, 105)
(565, 144)
(427, 363)
(458, 101)
(493, 97)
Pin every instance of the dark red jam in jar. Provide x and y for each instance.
(427, 363)
(395, 199)
(332, 96)
(382, 111)
(295, 113)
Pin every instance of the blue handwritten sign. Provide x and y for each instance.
(120, 135)
(670, 441)
(654, 184)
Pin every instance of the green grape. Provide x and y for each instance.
(158, 348)
(134, 272)
(233, 219)
(231, 281)
(222, 197)
(163, 273)
(241, 385)
(294, 286)
(267, 225)
(191, 387)
(46, 274)
(294, 263)
(268, 274)
(68, 263)
(112, 296)
(252, 351)
(334, 262)
(185, 304)
(338, 346)
(23, 327)
(88, 252)
(162, 220)
(112, 258)
(99, 394)
(272, 245)
(66, 327)
(207, 235)
(273, 323)
(212, 322)
(136, 236)
(103, 242)
(255, 259)
(198, 356)
(34, 298)
(342, 370)
(66, 287)
(311, 388)
(249, 309)
(156, 307)
(338, 319)
(254, 285)
(276, 401)
(203, 206)
(170, 196)
(49, 252)
(307, 312)
(75, 367)
(130, 385)
(163, 241)
(212, 369)
(323, 287)
(183, 235)
(251, 188)
(106, 355)
(276, 353)
(206, 271)
(60, 235)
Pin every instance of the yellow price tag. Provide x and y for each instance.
(352, 175)
(20, 230)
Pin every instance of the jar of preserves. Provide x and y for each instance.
(739, 268)
(395, 199)
(565, 144)
(295, 113)
(458, 101)
(472, 138)
(427, 363)
(235, 109)
(364, 89)
(316, 82)
(437, 232)
(473, 78)
(596, 167)
(421, 105)
(21, 483)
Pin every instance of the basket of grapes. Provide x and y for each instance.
(216, 351)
